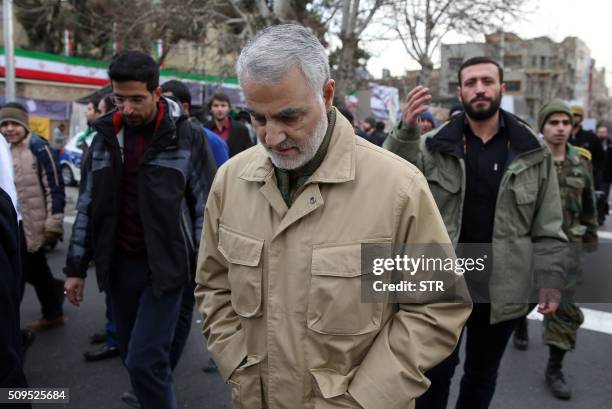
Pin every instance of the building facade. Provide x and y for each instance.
(535, 71)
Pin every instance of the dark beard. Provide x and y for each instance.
(482, 115)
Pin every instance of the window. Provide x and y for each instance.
(454, 63)
(513, 61)
(542, 62)
(534, 61)
(513, 86)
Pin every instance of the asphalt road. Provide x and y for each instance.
(55, 360)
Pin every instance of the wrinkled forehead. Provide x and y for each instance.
(290, 91)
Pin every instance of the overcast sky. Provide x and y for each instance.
(590, 20)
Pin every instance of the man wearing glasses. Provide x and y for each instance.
(140, 216)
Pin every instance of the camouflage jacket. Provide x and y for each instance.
(577, 194)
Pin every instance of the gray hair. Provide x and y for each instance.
(277, 49)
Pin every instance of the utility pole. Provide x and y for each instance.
(9, 50)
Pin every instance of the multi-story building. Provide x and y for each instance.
(535, 70)
(599, 104)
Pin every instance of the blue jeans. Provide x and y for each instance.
(183, 325)
(145, 328)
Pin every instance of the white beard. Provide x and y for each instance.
(307, 148)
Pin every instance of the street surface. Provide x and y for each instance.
(56, 358)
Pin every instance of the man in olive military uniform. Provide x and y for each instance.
(579, 224)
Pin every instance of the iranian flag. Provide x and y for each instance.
(35, 65)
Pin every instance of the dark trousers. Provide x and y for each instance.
(183, 326)
(145, 327)
(49, 290)
(110, 327)
(484, 348)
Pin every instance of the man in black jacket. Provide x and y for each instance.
(232, 132)
(588, 140)
(140, 216)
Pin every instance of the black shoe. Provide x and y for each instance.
(98, 337)
(558, 386)
(130, 399)
(211, 367)
(522, 344)
(104, 352)
(521, 336)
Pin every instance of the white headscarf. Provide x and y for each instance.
(7, 175)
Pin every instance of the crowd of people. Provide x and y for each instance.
(278, 282)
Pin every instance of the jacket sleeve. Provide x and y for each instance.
(222, 327)
(588, 215)
(550, 243)
(53, 186)
(406, 143)
(79, 250)
(203, 169)
(418, 336)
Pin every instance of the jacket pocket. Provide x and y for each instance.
(525, 198)
(245, 383)
(243, 254)
(445, 188)
(334, 302)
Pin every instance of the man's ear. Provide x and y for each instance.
(157, 93)
(185, 107)
(329, 90)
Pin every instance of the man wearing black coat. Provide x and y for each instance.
(588, 140)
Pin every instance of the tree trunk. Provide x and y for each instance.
(425, 74)
(345, 78)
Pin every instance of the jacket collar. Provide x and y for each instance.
(337, 167)
(449, 139)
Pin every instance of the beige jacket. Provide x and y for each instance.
(34, 194)
(281, 287)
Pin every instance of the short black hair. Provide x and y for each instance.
(134, 65)
(109, 103)
(348, 115)
(480, 60)
(179, 90)
(95, 100)
(243, 115)
(16, 105)
(601, 125)
(219, 96)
